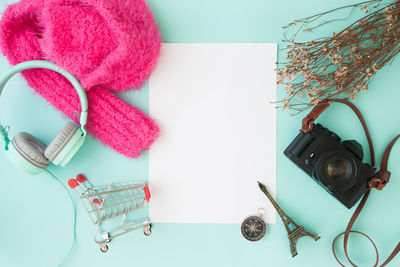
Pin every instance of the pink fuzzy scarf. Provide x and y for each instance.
(106, 44)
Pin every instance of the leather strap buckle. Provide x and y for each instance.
(381, 179)
(377, 183)
(307, 124)
(308, 121)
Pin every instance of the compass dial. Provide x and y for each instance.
(253, 228)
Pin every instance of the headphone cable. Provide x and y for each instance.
(74, 216)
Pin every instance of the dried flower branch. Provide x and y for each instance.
(341, 65)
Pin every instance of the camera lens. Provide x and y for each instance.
(336, 170)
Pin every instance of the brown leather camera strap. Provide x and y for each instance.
(378, 182)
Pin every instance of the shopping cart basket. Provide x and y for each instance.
(106, 202)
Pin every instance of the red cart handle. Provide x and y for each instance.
(72, 183)
(81, 178)
(147, 192)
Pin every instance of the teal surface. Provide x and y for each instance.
(35, 221)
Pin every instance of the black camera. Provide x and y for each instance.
(336, 165)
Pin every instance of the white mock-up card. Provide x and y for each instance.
(218, 132)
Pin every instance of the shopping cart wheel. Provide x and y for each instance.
(106, 236)
(103, 247)
(147, 232)
(147, 229)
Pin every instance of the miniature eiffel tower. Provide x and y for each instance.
(295, 231)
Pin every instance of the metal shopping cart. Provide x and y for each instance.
(106, 202)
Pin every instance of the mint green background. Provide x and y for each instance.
(35, 213)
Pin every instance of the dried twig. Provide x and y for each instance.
(341, 65)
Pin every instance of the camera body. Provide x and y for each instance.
(336, 165)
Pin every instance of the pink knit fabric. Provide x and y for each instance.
(106, 44)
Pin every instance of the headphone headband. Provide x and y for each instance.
(42, 64)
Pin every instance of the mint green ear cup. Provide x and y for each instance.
(26, 152)
(66, 143)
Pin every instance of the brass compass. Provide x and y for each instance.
(254, 227)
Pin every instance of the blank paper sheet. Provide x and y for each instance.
(218, 132)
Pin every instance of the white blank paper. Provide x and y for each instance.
(218, 132)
